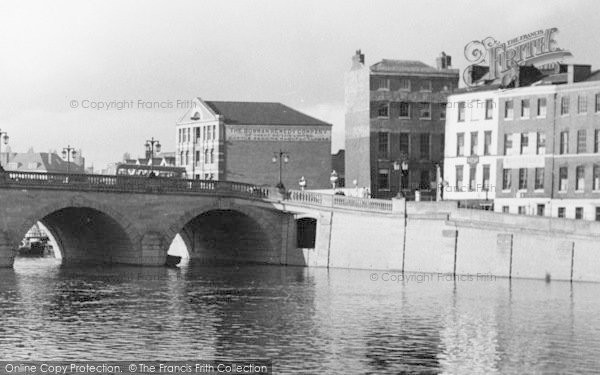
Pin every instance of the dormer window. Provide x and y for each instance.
(196, 116)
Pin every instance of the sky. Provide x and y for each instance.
(60, 58)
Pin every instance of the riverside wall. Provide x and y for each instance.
(438, 237)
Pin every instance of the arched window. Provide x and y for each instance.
(196, 116)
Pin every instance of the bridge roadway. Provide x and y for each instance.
(133, 220)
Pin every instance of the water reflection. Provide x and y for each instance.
(306, 320)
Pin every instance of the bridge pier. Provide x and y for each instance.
(7, 252)
(154, 250)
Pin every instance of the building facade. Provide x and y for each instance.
(547, 141)
(395, 117)
(252, 142)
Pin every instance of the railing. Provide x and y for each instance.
(130, 184)
(340, 201)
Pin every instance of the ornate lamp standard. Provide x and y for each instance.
(67, 152)
(333, 179)
(5, 137)
(282, 157)
(152, 146)
(302, 183)
(403, 166)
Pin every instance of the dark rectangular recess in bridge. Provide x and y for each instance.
(306, 232)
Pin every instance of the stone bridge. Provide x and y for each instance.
(133, 220)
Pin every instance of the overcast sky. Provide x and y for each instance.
(295, 52)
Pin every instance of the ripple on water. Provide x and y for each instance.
(306, 320)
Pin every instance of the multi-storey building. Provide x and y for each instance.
(395, 117)
(548, 146)
(253, 142)
(471, 149)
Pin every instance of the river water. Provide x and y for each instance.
(307, 320)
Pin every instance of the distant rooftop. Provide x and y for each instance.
(408, 66)
(261, 113)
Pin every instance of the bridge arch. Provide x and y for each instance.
(85, 231)
(229, 232)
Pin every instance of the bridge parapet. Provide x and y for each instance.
(340, 201)
(130, 184)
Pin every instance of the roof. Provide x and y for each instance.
(408, 66)
(42, 162)
(595, 76)
(261, 113)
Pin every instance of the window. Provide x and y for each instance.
(508, 110)
(383, 179)
(208, 132)
(206, 158)
(505, 209)
(563, 178)
(486, 177)
(424, 145)
(189, 134)
(541, 107)
(383, 144)
(580, 178)
(474, 141)
(596, 140)
(426, 85)
(564, 142)
(541, 143)
(425, 111)
(597, 106)
(561, 212)
(383, 110)
(596, 181)
(578, 212)
(541, 208)
(382, 83)
(461, 111)
(181, 159)
(524, 143)
(197, 158)
(197, 134)
(179, 136)
(597, 213)
(525, 108)
(404, 143)
(187, 157)
(405, 84)
(564, 105)
(404, 110)
(506, 179)
(581, 141)
(487, 142)
(539, 178)
(443, 111)
(489, 108)
(459, 177)
(522, 178)
(522, 210)
(472, 177)
(508, 144)
(581, 104)
(460, 144)
(212, 155)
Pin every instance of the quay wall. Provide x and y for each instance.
(438, 237)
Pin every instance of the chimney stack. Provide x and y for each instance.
(358, 59)
(444, 61)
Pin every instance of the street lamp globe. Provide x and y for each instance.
(6, 139)
(157, 147)
(333, 178)
(274, 159)
(302, 183)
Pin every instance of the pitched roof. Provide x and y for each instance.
(408, 66)
(261, 113)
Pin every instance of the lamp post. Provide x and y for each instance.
(282, 157)
(152, 145)
(67, 152)
(403, 168)
(333, 179)
(302, 183)
(4, 136)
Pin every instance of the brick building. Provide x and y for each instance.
(395, 116)
(237, 141)
(545, 152)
